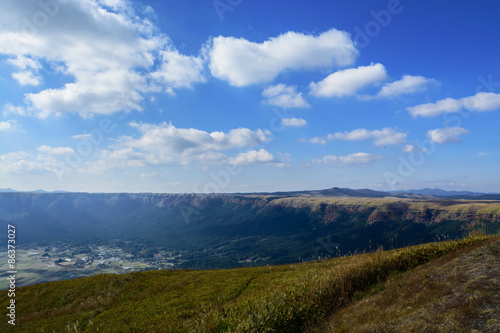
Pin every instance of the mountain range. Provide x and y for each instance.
(336, 191)
(251, 229)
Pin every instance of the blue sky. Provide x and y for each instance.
(243, 96)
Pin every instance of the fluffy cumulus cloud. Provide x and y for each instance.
(179, 71)
(242, 62)
(446, 135)
(28, 70)
(8, 126)
(407, 85)
(284, 96)
(76, 32)
(482, 101)
(252, 157)
(348, 81)
(102, 47)
(130, 58)
(27, 78)
(293, 122)
(361, 159)
(165, 144)
(101, 93)
(384, 137)
(48, 160)
(157, 145)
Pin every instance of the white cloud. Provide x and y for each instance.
(384, 137)
(482, 101)
(23, 62)
(241, 62)
(9, 108)
(166, 135)
(319, 140)
(252, 157)
(408, 148)
(316, 140)
(348, 81)
(152, 174)
(103, 51)
(412, 149)
(8, 126)
(407, 85)
(25, 163)
(56, 150)
(446, 135)
(82, 136)
(165, 144)
(179, 71)
(27, 78)
(102, 93)
(293, 122)
(434, 109)
(347, 160)
(284, 96)
(28, 74)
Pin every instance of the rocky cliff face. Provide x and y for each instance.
(13, 205)
(397, 209)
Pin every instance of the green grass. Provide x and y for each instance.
(285, 298)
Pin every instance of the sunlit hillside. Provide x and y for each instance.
(287, 298)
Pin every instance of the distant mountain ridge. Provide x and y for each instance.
(442, 193)
(8, 189)
(336, 192)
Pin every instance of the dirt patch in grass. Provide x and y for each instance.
(457, 293)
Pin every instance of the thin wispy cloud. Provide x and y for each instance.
(446, 135)
(348, 81)
(383, 137)
(480, 102)
(407, 85)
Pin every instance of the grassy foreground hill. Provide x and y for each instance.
(457, 293)
(287, 298)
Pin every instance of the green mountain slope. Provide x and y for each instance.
(288, 298)
(233, 230)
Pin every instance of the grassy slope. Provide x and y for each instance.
(274, 299)
(446, 205)
(457, 293)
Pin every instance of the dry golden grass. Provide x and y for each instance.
(459, 292)
(452, 206)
